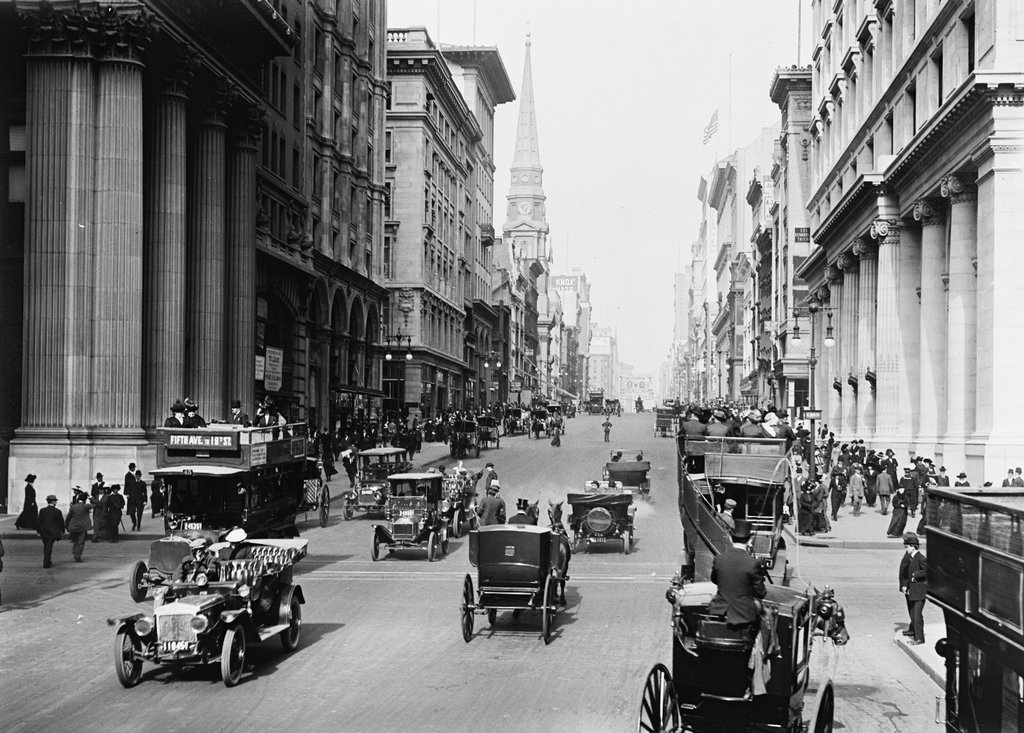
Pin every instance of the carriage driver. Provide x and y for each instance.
(740, 581)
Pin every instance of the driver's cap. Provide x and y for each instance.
(236, 535)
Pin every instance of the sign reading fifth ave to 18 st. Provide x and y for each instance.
(201, 440)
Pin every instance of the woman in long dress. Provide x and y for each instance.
(899, 514)
(29, 517)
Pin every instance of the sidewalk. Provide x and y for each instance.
(867, 531)
(924, 655)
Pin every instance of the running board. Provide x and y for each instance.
(267, 632)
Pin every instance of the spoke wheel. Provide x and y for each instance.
(325, 507)
(659, 709)
(348, 512)
(466, 609)
(823, 721)
(444, 541)
(375, 550)
(627, 542)
(457, 520)
(126, 664)
(548, 611)
(232, 656)
(432, 547)
(290, 636)
(135, 577)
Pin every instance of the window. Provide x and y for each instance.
(387, 263)
(296, 169)
(912, 108)
(318, 51)
(388, 188)
(297, 105)
(387, 147)
(969, 33)
(937, 75)
(297, 51)
(999, 591)
(317, 177)
(336, 191)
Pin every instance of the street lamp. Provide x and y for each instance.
(813, 306)
(398, 339)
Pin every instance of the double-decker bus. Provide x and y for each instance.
(976, 576)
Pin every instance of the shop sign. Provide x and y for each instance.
(802, 234)
(260, 363)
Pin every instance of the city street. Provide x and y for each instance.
(381, 645)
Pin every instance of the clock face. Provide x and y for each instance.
(525, 207)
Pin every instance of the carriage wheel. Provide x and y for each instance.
(659, 708)
(325, 506)
(549, 608)
(627, 542)
(823, 719)
(466, 609)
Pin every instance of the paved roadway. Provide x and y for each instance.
(382, 648)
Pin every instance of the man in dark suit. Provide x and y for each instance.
(491, 509)
(237, 416)
(740, 581)
(137, 500)
(50, 528)
(913, 585)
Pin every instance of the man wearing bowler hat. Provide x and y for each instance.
(50, 529)
(740, 581)
(237, 416)
(913, 585)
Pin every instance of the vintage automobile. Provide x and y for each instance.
(487, 431)
(712, 687)
(464, 439)
(373, 466)
(167, 557)
(629, 468)
(227, 595)
(595, 402)
(538, 422)
(665, 422)
(602, 517)
(519, 568)
(514, 422)
(414, 514)
(226, 476)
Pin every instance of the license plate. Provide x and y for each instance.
(177, 646)
(597, 539)
(191, 525)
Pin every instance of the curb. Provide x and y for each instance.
(841, 544)
(937, 675)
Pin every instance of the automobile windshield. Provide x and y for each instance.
(410, 488)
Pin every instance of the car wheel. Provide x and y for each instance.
(457, 521)
(127, 664)
(466, 609)
(627, 542)
(290, 636)
(232, 656)
(348, 511)
(444, 542)
(325, 506)
(135, 578)
(375, 550)
(431, 546)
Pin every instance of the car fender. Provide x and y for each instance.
(382, 534)
(284, 609)
(119, 621)
(240, 617)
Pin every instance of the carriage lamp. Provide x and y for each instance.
(796, 333)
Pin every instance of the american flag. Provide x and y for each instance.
(711, 129)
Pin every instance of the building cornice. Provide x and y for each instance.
(815, 262)
(863, 186)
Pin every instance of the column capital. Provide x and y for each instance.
(833, 274)
(184, 66)
(958, 189)
(929, 213)
(53, 32)
(124, 36)
(886, 231)
(247, 125)
(219, 103)
(847, 262)
(863, 247)
(822, 295)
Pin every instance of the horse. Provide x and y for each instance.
(562, 572)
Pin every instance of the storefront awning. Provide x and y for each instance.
(562, 393)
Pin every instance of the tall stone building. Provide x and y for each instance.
(914, 208)
(604, 362)
(163, 170)
(440, 236)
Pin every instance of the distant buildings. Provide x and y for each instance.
(604, 361)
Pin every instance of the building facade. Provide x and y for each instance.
(180, 247)
(918, 178)
(604, 362)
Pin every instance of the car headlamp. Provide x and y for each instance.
(144, 626)
(199, 623)
(244, 590)
(202, 579)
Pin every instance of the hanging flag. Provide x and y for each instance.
(711, 129)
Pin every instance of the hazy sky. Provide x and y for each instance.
(623, 92)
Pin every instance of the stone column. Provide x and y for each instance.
(908, 327)
(163, 337)
(932, 381)
(848, 337)
(1000, 348)
(887, 233)
(961, 324)
(205, 364)
(241, 259)
(866, 327)
(59, 165)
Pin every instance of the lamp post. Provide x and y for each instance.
(398, 339)
(491, 359)
(813, 414)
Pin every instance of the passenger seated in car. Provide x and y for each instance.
(740, 580)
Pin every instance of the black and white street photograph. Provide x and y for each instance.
(512, 365)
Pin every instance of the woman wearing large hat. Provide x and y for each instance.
(29, 517)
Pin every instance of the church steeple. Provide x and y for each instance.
(526, 208)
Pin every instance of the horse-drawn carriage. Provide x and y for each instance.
(725, 678)
(598, 518)
(487, 431)
(464, 438)
(515, 423)
(556, 419)
(519, 568)
(538, 422)
(629, 468)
